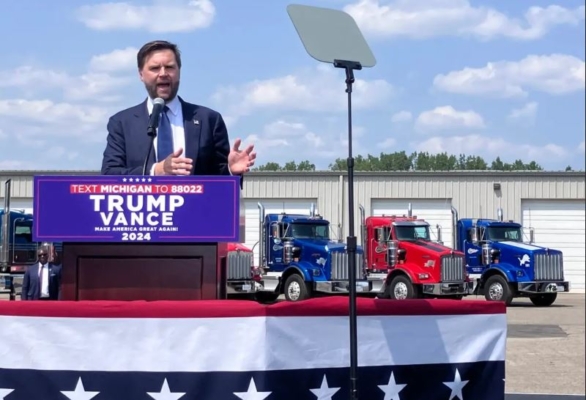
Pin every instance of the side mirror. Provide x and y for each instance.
(386, 233)
(379, 234)
(275, 231)
(475, 234)
(439, 233)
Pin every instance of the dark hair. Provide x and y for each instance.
(157, 45)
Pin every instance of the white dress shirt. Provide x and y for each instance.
(44, 277)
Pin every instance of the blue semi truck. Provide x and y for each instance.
(503, 266)
(297, 258)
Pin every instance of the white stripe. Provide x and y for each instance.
(245, 344)
(523, 246)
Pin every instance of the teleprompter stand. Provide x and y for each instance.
(332, 36)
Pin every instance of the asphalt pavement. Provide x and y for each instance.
(545, 349)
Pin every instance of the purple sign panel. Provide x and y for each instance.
(108, 208)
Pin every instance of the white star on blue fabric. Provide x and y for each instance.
(5, 392)
(252, 393)
(392, 389)
(324, 392)
(456, 386)
(165, 393)
(79, 393)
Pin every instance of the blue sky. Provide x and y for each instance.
(489, 78)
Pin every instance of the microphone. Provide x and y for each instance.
(158, 105)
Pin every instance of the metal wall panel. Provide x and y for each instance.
(470, 192)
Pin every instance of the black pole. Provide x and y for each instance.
(349, 67)
(152, 133)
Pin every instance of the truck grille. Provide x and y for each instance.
(452, 268)
(239, 263)
(340, 266)
(549, 267)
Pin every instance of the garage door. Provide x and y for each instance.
(559, 224)
(435, 212)
(19, 204)
(291, 206)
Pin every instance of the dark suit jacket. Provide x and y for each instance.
(31, 284)
(206, 142)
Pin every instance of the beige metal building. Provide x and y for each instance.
(552, 203)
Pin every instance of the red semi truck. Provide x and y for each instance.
(403, 262)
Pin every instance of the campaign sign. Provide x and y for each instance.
(109, 208)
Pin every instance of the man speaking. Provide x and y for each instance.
(191, 139)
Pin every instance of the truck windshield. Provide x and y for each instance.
(412, 232)
(504, 233)
(25, 250)
(310, 231)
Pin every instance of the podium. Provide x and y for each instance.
(139, 237)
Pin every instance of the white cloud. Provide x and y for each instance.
(485, 145)
(284, 140)
(422, 19)
(388, 143)
(12, 165)
(40, 155)
(554, 74)
(39, 119)
(402, 116)
(525, 114)
(280, 140)
(581, 147)
(98, 84)
(447, 117)
(316, 90)
(116, 60)
(46, 111)
(56, 116)
(163, 16)
(29, 76)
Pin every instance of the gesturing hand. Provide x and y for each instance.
(174, 165)
(240, 161)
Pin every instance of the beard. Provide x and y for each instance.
(166, 94)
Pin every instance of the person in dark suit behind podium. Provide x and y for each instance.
(191, 139)
(42, 281)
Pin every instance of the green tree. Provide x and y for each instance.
(289, 166)
(416, 161)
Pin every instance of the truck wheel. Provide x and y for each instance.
(401, 288)
(296, 289)
(497, 288)
(543, 300)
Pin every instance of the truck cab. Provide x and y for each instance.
(404, 262)
(503, 266)
(17, 249)
(297, 257)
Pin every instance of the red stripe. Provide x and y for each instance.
(319, 307)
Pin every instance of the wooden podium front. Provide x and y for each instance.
(140, 238)
(143, 271)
